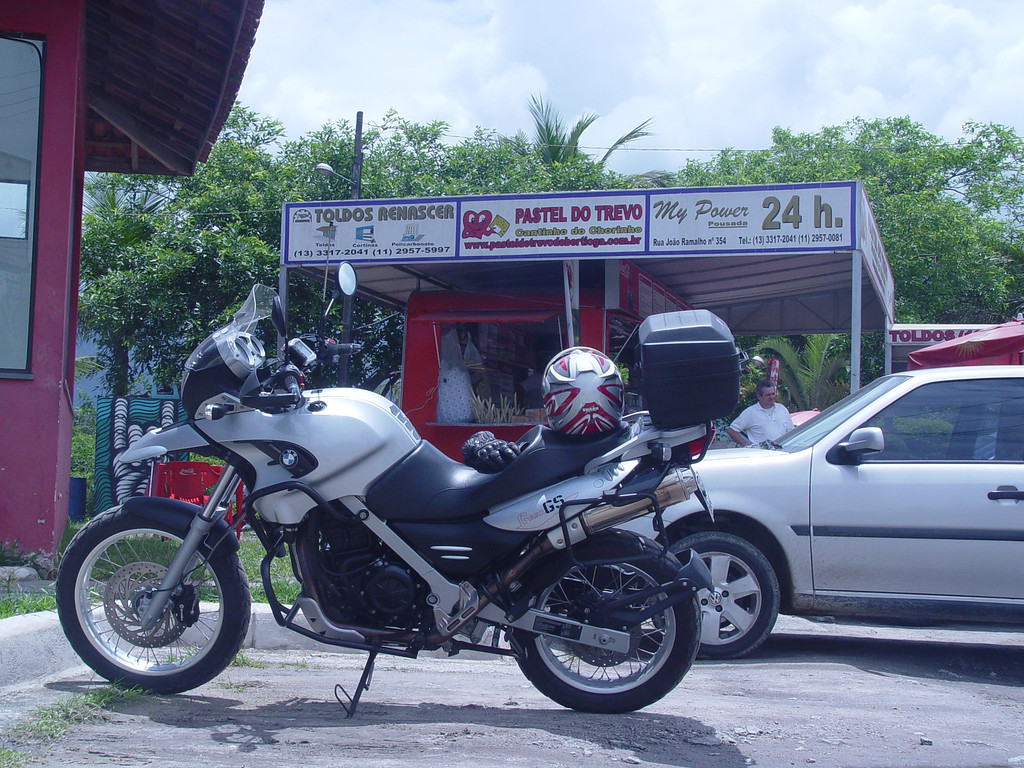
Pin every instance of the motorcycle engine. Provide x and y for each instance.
(362, 581)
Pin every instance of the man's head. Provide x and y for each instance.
(765, 393)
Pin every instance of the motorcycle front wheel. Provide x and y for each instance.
(661, 650)
(111, 569)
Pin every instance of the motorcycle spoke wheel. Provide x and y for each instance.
(614, 565)
(595, 669)
(108, 575)
(116, 583)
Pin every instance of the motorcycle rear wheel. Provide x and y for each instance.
(589, 679)
(108, 572)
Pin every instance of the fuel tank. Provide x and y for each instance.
(338, 442)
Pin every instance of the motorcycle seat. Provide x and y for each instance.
(427, 485)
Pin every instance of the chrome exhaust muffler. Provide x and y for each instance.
(678, 485)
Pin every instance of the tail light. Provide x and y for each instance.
(699, 447)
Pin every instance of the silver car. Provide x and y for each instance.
(901, 502)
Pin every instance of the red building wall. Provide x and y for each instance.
(36, 412)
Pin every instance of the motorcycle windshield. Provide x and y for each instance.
(255, 308)
(234, 339)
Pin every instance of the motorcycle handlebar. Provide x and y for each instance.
(327, 350)
(331, 350)
(286, 379)
(262, 402)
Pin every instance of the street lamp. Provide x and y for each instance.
(324, 169)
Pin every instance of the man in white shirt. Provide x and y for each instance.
(764, 420)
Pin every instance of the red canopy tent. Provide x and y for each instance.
(999, 345)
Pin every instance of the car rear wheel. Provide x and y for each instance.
(739, 614)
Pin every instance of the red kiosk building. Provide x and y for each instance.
(104, 85)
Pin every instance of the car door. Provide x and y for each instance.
(917, 518)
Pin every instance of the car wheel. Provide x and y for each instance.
(739, 614)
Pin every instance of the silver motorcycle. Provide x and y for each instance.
(398, 549)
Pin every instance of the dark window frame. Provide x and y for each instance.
(38, 44)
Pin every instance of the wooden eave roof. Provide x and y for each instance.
(162, 78)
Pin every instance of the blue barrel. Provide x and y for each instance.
(76, 500)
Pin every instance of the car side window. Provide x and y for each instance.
(973, 420)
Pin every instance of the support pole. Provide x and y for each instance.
(282, 292)
(888, 348)
(348, 304)
(571, 284)
(856, 319)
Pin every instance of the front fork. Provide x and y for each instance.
(197, 531)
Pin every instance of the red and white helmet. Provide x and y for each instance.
(582, 392)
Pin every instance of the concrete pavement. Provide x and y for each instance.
(816, 693)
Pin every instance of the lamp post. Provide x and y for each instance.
(347, 307)
(355, 191)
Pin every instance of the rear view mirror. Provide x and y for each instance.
(346, 278)
(278, 318)
(861, 441)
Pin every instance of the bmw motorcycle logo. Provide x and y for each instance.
(289, 458)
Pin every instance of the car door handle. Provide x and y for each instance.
(1006, 492)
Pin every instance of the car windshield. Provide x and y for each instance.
(812, 430)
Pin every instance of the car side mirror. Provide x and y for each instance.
(861, 441)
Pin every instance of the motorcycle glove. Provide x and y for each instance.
(486, 453)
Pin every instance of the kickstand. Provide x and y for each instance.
(364, 683)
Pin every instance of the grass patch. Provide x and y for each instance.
(73, 527)
(11, 758)
(242, 659)
(285, 585)
(15, 603)
(50, 723)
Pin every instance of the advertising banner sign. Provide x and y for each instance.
(363, 231)
(578, 225)
(923, 335)
(581, 226)
(738, 219)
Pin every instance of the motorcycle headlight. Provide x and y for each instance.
(244, 354)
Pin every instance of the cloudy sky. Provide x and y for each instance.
(711, 74)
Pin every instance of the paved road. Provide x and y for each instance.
(817, 694)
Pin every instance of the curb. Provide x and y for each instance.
(33, 646)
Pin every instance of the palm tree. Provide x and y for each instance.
(86, 366)
(809, 375)
(556, 144)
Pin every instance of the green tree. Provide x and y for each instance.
(121, 214)
(156, 277)
(812, 372)
(950, 213)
